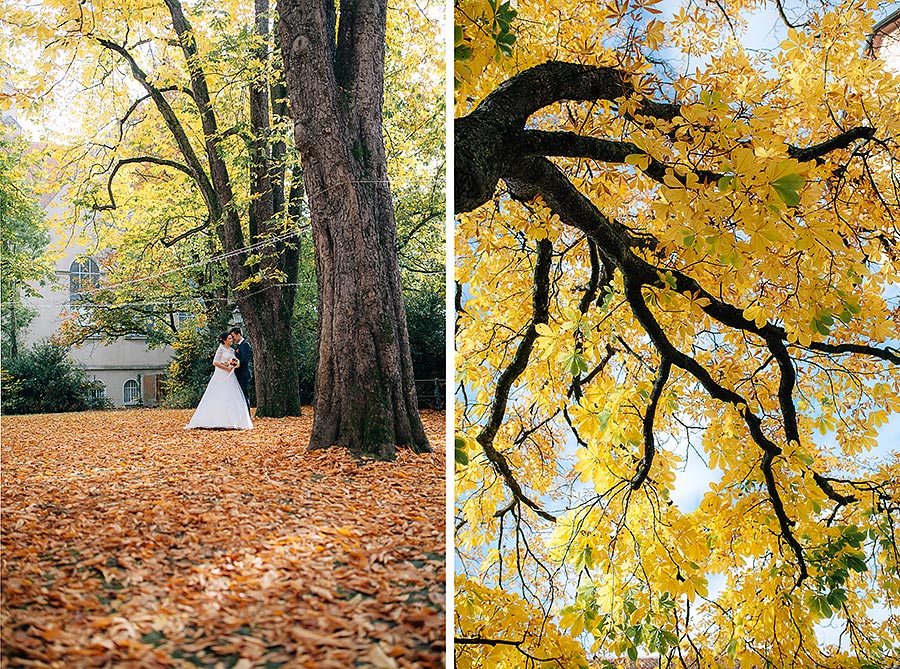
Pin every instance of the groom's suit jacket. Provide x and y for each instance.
(245, 355)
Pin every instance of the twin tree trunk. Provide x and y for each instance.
(267, 306)
(365, 392)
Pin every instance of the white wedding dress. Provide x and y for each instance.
(223, 404)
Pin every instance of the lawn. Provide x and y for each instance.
(130, 542)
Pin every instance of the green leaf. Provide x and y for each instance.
(461, 457)
(506, 39)
(836, 598)
(819, 326)
(731, 649)
(584, 559)
(574, 363)
(788, 187)
(462, 52)
(855, 563)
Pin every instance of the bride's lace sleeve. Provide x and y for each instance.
(221, 355)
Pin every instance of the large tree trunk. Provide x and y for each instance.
(365, 394)
(266, 306)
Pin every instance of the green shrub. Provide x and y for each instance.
(427, 334)
(46, 380)
(190, 369)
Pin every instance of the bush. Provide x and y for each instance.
(427, 334)
(190, 369)
(46, 380)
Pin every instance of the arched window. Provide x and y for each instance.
(83, 275)
(132, 392)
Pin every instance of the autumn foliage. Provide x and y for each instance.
(129, 542)
(678, 261)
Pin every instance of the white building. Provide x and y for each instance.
(885, 41)
(130, 372)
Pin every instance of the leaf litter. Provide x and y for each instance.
(129, 542)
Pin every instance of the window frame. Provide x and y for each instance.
(135, 393)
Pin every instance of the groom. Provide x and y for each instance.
(245, 355)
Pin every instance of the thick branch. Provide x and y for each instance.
(888, 354)
(175, 127)
(481, 641)
(231, 234)
(521, 96)
(662, 376)
(842, 141)
(825, 484)
(573, 145)
(483, 137)
(576, 210)
(492, 137)
(753, 422)
(137, 103)
(541, 307)
(784, 522)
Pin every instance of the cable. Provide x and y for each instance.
(168, 303)
(222, 256)
(228, 254)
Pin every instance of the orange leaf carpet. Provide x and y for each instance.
(130, 542)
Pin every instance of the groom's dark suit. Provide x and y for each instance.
(242, 373)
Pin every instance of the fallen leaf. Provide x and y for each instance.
(145, 545)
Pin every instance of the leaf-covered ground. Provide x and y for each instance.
(130, 542)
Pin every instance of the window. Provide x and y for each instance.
(132, 392)
(98, 394)
(83, 275)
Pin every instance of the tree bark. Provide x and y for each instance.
(267, 306)
(365, 394)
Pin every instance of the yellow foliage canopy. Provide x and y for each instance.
(671, 272)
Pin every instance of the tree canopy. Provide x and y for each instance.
(677, 258)
(175, 137)
(24, 235)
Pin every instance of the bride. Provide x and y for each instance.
(223, 404)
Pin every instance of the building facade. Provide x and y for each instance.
(884, 42)
(131, 372)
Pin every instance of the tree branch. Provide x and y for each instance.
(825, 484)
(481, 641)
(492, 137)
(541, 307)
(576, 210)
(573, 145)
(842, 141)
(662, 376)
(175, 127)
(137, 159)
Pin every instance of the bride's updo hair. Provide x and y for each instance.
(223, 337)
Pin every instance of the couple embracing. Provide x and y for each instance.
(226, 401)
